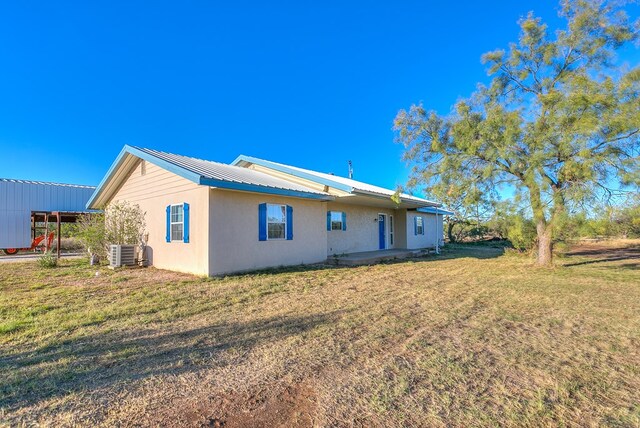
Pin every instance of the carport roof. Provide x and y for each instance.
(45, 183)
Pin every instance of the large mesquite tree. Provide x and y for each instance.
(559, 121)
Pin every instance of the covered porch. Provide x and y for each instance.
(373, 257)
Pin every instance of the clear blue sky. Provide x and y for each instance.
(310, 84)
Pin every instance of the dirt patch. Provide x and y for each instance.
(609, 252)
(292, 405)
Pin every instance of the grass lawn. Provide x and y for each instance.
(472, 337)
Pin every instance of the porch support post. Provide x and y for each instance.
(437, 233)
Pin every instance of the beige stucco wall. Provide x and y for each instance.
(362, 230)
(401, 228)
(153, 191)
(431, 230)
(234, 233)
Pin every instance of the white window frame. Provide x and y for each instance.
(419, 228)
(284, 238)
(171, 223)
(391, 236)
(339, 221)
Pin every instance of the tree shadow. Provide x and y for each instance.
(603, 255)
(628, 266)
(593, 261)
(476, 251)
(450, 251)
(106, 359)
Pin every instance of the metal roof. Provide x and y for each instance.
(44, 183)
(433, 210)
(342, 183)
(204, 172)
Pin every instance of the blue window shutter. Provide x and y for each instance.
(415, 225)
(289, 222)
(185, 227)
(262, 222)
(344, 220)
(168, 237)
(328, 220)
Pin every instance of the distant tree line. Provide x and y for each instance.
(509, 222)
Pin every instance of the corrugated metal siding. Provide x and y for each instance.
(18, 198)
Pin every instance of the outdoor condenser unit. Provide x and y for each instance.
(122, 255)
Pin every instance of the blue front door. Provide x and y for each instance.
(381, 231)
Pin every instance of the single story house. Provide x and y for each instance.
(211, 218)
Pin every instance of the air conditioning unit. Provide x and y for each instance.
(122, 255)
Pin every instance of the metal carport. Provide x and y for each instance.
(25, 203)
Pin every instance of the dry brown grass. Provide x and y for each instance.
(473, 337)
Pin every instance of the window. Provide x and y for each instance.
(276, 221)
(419, 226)
(336, 220)
(177, 222)
(391, 230)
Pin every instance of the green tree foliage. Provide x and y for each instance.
(559, 122)
(124, 223)
(470, 208)
(509, 222)
(622, 221)
(89, 230)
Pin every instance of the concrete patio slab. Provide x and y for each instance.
(372, 257)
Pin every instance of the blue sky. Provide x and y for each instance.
(307, 83)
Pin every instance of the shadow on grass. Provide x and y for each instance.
(476, 251)
(603, 255)
(610, 259)
(450, 251)
(628, 266)
(106, 359)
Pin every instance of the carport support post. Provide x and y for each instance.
(58, 234)
(46, 232)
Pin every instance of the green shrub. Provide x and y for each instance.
(48, 260)
(521, 232)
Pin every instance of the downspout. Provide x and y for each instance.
(437, 234)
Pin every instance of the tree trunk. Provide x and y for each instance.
(545, 244)
(450, 225)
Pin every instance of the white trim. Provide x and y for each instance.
(331, 221)
(171, 223)
(391, 233)
(421, 218)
